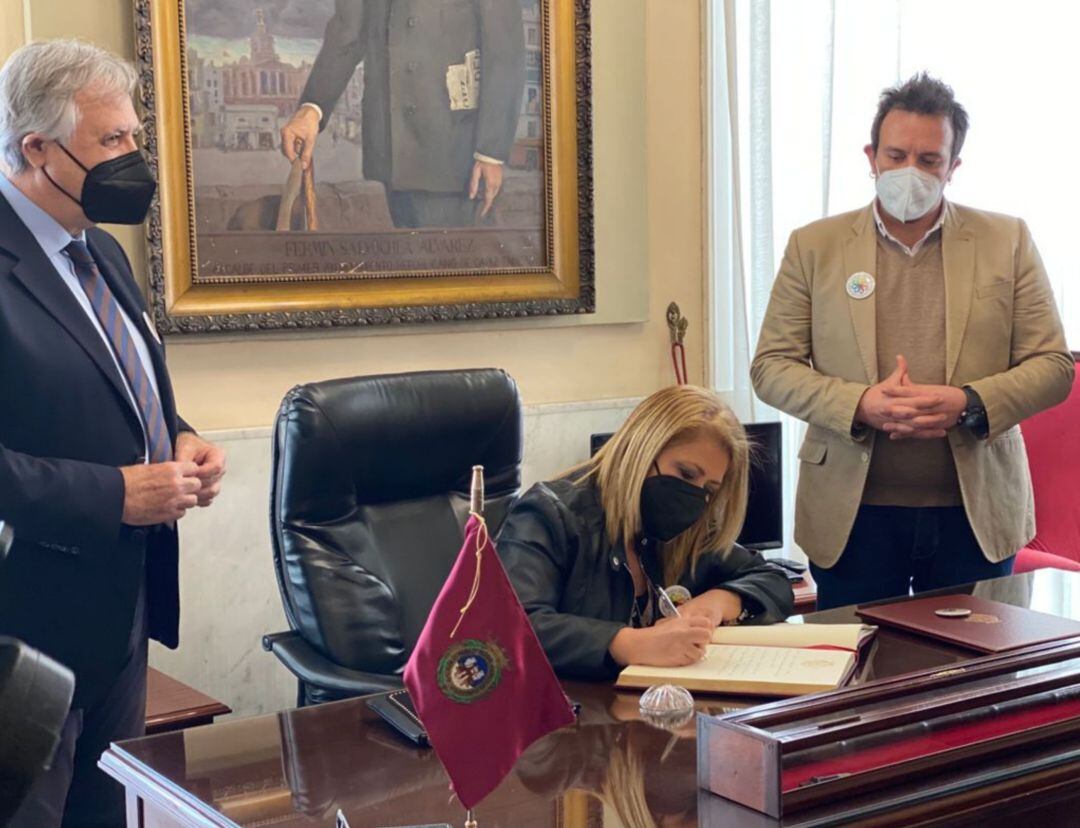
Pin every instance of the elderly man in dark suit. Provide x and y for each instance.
(95, 466)
(430, 136)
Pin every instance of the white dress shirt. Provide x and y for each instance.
(915, 248)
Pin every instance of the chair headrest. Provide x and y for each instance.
(391, 437)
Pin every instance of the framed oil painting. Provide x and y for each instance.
(330, 163)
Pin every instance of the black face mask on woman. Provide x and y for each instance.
(117, 191)
(670, 506)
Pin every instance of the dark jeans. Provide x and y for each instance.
(75, 792)
(893, 550)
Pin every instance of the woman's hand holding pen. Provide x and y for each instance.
(672, 642)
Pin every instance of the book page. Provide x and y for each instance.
(795, 635)
(750, 669)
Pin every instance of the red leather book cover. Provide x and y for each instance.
(986, 626)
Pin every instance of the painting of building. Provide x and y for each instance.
(231, 102)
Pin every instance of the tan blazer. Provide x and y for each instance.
(817, 354)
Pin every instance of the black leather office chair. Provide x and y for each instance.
(369, 497)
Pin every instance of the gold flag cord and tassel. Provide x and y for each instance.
(476, 509)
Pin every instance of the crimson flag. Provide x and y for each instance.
(479, 679)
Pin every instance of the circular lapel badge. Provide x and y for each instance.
(470, 670)
(860, 285)
(676, 596)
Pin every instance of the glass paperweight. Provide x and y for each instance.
(666, 705)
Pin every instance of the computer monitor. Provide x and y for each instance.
(764, 524)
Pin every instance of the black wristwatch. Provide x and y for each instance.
(973, 417)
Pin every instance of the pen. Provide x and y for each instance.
(667, 606)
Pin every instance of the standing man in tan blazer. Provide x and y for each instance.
(912, 335)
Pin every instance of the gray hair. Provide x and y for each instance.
(38, 85)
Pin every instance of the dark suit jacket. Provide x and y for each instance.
(66, 424)
(412, 139)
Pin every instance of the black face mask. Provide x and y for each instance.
(117, 191)
(670, 506)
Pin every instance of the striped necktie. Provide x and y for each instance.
(112, 322)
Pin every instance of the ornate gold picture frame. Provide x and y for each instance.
(240, 239)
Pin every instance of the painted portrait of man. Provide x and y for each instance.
(405, 115)
(443, 90)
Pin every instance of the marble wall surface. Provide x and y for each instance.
(229, 595)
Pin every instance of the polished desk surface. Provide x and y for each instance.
(296, 768)
(173, 705)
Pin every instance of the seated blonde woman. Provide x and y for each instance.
(660, 504)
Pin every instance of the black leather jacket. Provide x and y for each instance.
(576, 587)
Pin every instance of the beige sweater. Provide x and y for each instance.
(910, 315)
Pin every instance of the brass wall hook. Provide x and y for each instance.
(677, 324)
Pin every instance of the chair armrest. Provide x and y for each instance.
(312, 667)
(1029, 559)
(269, 639)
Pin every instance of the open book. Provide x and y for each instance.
(779, 660)
(843, 636)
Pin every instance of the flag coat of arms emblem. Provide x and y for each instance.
(479, 679)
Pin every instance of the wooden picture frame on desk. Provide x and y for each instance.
(211, 270)
(838, 746)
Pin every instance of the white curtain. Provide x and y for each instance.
(791, 90)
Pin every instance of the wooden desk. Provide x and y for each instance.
(172, 705)
(297, 767)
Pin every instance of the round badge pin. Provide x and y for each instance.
(860, 285)
(952, 612)
(678, 594)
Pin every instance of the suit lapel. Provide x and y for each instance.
(860, 255)
(958, 259)
(37, 275)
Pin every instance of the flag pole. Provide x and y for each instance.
(476, 507)
(476, 491)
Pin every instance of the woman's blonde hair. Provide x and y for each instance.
(641, 801)
(623, 789)
(669, 417)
